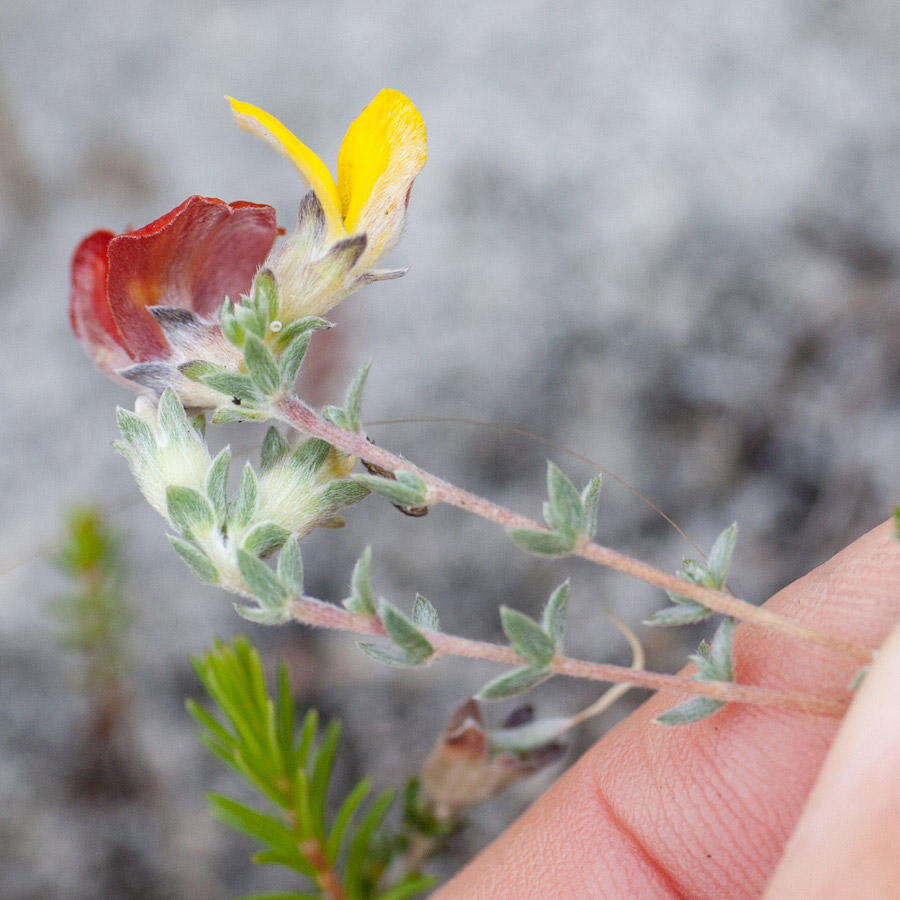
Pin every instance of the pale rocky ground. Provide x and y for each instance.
(664, 234)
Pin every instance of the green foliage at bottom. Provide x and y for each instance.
(343, 853)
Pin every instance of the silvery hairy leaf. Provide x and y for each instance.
(290, 566)
(590, 502)
(516, 681)
(566, 512)
(188, 510)
(261, 580)
(689, 711)
(527, 638)
(199, 562)
(227, 414)
(265, 294)
(720, 555)
(425, 615)
(404, 491)
(265, 538)
(274, 447)
(403, 632)
(542, 543)
(244, 504)
(292, 358)
(393, 658)
(685, 612)
(301, 326)
(310, 455)
(553, 618)
(136, 431)
(261, 365)
(362, 600)
(274, 615)
(217, 482)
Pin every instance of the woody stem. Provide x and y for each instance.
(302, 417)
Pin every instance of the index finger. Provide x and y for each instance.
(702, 810)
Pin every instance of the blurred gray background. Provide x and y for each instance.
(663, 234)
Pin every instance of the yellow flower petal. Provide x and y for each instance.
(262, 124)
(382, 152)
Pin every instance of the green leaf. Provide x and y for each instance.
(683, 613)
(528, 639)
(188, 510)
(172, 418)
(411, 884)
(425, 615)
(290, 859)
(299, 326)
(553, 619)
(244, 818)
(343, 817)
(590, 502)
(261, 580)
(198, 369)
(361, 600)
(407, 490)
(290, 566)
(310, 455)
(233, 384)
(198, 422)
(274, 447)
(403, 632)
(393, 658)
(689, 711)
(348, 417)
(225, 415)
(199, 562)
(136, 431)
(250, 321)
(721, 650)
(542, 543)
(567, 515)
(321, 775)
(516, 681)
(265, 538)
(217, 482)
(720, 555)
(228, 322)
(261, 365)
(284, 720)
(339, 494)
(697, 573)
(265, 294)
(359, 846)
(292, 358)
(244, 504)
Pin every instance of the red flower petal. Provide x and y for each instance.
(192, 257)
(89, 313)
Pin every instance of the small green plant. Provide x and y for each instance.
(95, 617)
(344, 855)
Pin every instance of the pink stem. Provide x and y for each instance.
(303, 418)
(326, 615)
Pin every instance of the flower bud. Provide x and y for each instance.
(464, 768)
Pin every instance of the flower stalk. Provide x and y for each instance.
(299, 415)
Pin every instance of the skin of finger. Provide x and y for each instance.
(848, 838)
(702, 810)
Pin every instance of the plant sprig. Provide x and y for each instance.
(291, 765)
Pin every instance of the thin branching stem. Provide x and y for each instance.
(302, 417)
(326, 615)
